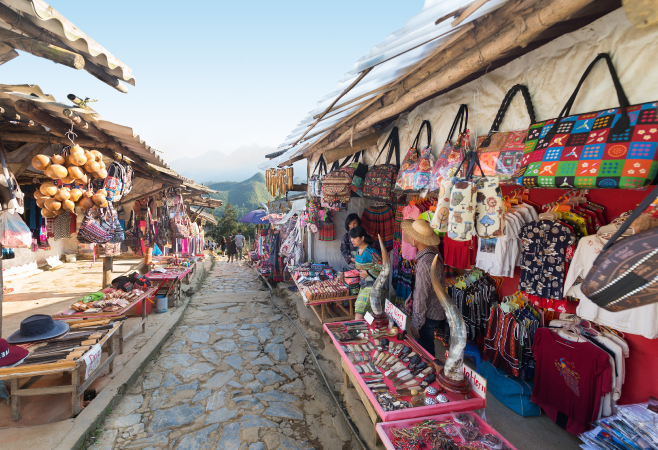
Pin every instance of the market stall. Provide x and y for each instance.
(169, 280)
(373, 360)
(329, 297)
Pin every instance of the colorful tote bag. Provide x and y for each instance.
(359, 172)
(500, 154)
(440, 218)
(336, 185)
(380, 179)
(451, 155)
(415, 170)
(613, 148)
(462, 210)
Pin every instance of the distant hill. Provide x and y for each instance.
(215, 165)
(244, 195)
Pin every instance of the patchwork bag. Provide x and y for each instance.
(118, 235)
(113, 183)
(315, 181)
(180, 226)
(613, 148)
(500, 154)
(451, 155)
(415, 172)
(380, 179)
(440, 218)
(336, 185)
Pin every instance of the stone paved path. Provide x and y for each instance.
(235, 375)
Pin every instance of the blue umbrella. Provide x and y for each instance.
(253, 217)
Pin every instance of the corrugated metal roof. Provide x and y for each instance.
(185, 181)
(50, 20)
(400, 53)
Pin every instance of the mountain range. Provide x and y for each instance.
(245, 195)
(215, 165)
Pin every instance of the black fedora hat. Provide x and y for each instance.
(11, 354)
(38, 328)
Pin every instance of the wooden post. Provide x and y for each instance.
(108, 263)
(148, 255)
(641, 13)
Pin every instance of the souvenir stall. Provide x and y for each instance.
(531, 178)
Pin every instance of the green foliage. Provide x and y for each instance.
(239, 198)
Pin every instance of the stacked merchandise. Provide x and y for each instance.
(633, 427)
(319, 282)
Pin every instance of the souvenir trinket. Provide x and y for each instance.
(429, 390)
(442, 399)
(430, 401)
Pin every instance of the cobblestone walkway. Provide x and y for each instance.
(234, 375)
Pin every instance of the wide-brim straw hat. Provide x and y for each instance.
(420, 231)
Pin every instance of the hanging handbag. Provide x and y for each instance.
(625, 273)
(489, 216)
(380, 179)
(500, 153)
(113, 183)
(118, 234)
(179, 225)
(359, 171)
(440, 218)
(315, 181)
(134, 235)
(95, 230)
(415, 170)
(452, 154)
(613, 148)
(336, 186)
(461, 216)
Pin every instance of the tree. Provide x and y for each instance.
(228, 223)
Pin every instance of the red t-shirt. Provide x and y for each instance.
(570, 379)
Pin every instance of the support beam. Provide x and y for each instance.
(7, 53)
(641, 13)
(134, 199)
(23, 24)
(108, 267)
(51, 52)
(27, 161)
(45, 138)
(359, 144)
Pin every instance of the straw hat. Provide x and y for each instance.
(420, 231)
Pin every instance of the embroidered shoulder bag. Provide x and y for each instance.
(416, 166)
(95, 230)
(451, 155)
(315, 181)
(500, 153)
(380, 179)
(613, 148)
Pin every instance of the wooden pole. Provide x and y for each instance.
(108, 263)
(362, 143)
(155, 191)
(26, 26)
(7, 53)
(48, 51)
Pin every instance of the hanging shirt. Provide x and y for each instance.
(544, 251)
(570, 380)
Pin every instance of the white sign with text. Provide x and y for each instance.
(92, 359)
(478, 382)
(396, 314)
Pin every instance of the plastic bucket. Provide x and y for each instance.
(149, 305)
(161, 304)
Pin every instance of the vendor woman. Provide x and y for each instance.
(346, 248)
(369, 263)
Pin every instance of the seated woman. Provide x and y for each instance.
(369, 263)
(346, 248)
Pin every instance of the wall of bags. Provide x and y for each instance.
(551, 73)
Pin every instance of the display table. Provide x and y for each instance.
(474, 399)
(171, 281)
(330, 309)
(451, 424)
(80, 372)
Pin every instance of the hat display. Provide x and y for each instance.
(420, 231)
(37, 328)
(10, 354)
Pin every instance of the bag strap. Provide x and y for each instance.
(322, 164)
(393, 141)
(623, 123)
(425, 124)
(627, 223)
(503, 110)
(460, 123)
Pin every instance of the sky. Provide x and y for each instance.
(214, 75)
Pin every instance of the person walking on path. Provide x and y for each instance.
(231, 249)
(239, 244)
(222, 246)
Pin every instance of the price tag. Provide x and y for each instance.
(369, 318)
(396, 314)
(92, 359)
(478, 382)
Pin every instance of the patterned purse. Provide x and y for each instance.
(336, 186)
(614, 148)
(113, 183)
(315, 181)
(414, 175)
(180, 227)
(451, 155)
(95, 230)
(501, 153)
(118, 235)
(463, 200)
(359, 172)
(624, 274)
(380, 180)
